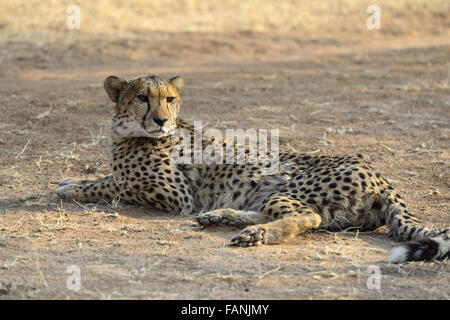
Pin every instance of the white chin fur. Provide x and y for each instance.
(399, 255)
(139, 132)
(160, 134)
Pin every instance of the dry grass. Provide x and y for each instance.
(138, 17)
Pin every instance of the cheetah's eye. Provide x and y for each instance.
(142, 97)
(170, 99)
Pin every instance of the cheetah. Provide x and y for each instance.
(307, 192)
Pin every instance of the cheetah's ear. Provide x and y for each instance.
(178, 83)
(113, 86)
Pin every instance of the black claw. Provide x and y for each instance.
(214, 219)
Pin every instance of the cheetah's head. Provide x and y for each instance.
(147, 106)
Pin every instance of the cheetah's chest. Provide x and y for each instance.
(151, 177)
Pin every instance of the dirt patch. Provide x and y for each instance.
(387, 98)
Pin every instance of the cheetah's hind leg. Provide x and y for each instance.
(231, 217)
(274, 232)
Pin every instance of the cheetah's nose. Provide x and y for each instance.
(160, 121)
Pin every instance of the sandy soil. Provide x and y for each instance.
(388, 98)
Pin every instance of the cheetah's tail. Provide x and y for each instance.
(434, 248)
(422, 243)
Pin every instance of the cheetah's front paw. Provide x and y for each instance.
(216, 217)
(250, 236)
(68, 189)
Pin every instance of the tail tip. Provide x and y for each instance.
(418, 250)
(399, 255)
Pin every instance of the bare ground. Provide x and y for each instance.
(387, 98)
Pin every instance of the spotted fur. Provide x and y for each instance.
(307, 192)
